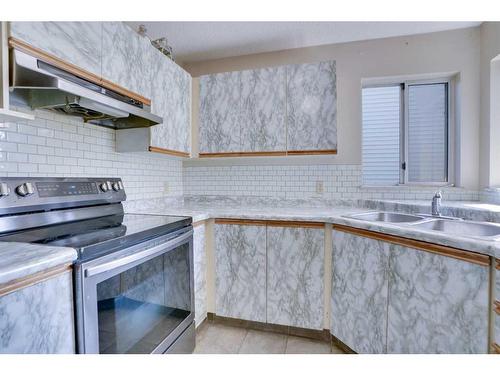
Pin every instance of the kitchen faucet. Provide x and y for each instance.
(436, 204)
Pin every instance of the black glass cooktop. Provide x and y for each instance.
(96, 237)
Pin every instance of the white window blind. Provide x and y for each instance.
(427, 132)
(381, 132)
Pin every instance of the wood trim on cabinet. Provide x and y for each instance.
(272, 223)
(312, 152)
(497, 265)
(30, 280)
(169, 152)
(467, 256)
(295, 224)
(73, 69)
(240, 154)
(496, 348)
(240, 222)
(264, 153)
(496, 308)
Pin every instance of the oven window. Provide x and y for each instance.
(140, 307)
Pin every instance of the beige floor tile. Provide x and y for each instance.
(219, 339)
(300, 345)
(258, 342)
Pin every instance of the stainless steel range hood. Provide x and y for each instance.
(39, 85)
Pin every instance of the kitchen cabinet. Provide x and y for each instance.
(496, 308)
(78, 43)
(263, 110)
(200, 273)
(360, 286)
(127, 58)
(295, 274)
(286, 110)
(437, 304)
(240, 271)
(38, 319)
(219, 113)
(311, 107)
(171, 99)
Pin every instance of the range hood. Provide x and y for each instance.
(40, 85)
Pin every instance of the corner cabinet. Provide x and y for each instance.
(275, 111)
(393, 295)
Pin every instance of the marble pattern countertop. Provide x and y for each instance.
(19, 260)
(331, 212)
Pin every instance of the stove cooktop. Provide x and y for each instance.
(96, 237)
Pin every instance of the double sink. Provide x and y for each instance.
(451, 226)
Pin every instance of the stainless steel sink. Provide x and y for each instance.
(462, 228)
(388, 217)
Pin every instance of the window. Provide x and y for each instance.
(406, 133)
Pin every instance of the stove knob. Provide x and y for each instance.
(25, 189)
(120, 184)
(104, 187)
(116, 186)
(4, 189)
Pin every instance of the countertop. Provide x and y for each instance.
(335, 214)
(18, 260)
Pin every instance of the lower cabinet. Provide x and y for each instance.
(39, 318)
(240, 271)
(200, 273)
(295, 274)
(496, 309)
(437, 304)
(391, 298)
(360, 285)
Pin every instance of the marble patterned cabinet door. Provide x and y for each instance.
(127, 58)
(219, 115)
(78, 43)
(200, 274)
(497, 299)
(311, 106)
(39, 319)
(171, 99)
(437, 304)
(263, 126)
(359, 292)
(240, 269)
(295, 270)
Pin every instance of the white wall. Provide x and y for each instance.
(490, 131)
(444, 52)
(57, 145)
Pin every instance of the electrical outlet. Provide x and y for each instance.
(166, 188)
(319, 187)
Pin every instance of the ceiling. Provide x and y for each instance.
(198, 41)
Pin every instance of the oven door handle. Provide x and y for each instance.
(151, 252)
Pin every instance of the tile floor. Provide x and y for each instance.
(217, 338)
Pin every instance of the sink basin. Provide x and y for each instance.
(388, 217)
(461, 228)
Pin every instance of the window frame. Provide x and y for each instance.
(403, 130)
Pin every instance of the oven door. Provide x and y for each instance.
(138, 300)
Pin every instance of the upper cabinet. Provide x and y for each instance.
(170, 99)
(115, 56)
(263, 110)
(312, 107)
(219, 116)
(78, 43)
(127, 58)
(280, 111)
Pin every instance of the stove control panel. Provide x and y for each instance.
(28, 194)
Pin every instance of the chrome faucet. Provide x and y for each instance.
(436, 204)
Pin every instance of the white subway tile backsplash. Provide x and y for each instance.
(60, 146)
(299, 181)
